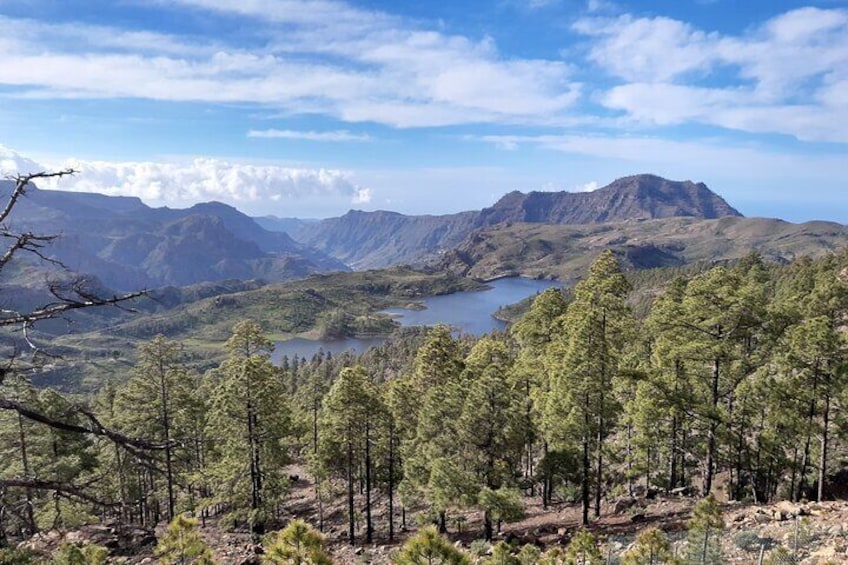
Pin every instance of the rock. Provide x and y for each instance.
(761, 518)
(789, 509)
(825, 553)
(358, 551)
(623, 504)
(75, 537)
(681, 491)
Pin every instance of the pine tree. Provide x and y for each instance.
(489, 426)
(432, 457)
(348, 425)
(580, 405)
(705, 530)
(156, 403)
(427, 547)
(533, 333)
(298, 544)
(650, 548)
(250, 420)
(73, 554)
(183, 544)
(583, 550)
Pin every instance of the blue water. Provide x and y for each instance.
(467, 312)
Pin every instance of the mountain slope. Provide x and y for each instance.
(367, 240)
(128, 245)
(564, 251)
(378, 239)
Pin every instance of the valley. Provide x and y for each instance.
(357, 406)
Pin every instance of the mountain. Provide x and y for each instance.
(379, 239)
(289, 225)
(628, 198)
(129, 245)
(565, 252)
(366, 240)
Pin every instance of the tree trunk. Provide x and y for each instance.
(584, 482)
(599, 470)
(351, 527)
(369, 529)
(709, 465)
(487, 526)
(166, 425)
(823, 454)
(601, 409)
(391, 483)
(30, 516)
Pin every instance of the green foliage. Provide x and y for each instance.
(705, 531)
(250, 417)
(298, 544)
(183, 544)
(651, 548)
(707, 515)
(529, 555)
(73, 554)
(502, 555)
(427, 547)
(9, 556)
(503, 505)
(586, 363)
(583, 550)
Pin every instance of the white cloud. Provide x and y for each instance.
(13, 163)
(590, 186)
(362, 196)
(701, 158)
(317, 57)
(788, 76)
(338, 135)
(259, 189)
(655, 49)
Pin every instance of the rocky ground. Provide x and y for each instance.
(808, 533)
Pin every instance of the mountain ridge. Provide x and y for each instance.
(127, 245)
(382, 238)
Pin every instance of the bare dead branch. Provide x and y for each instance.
(11, 318)
(55, 486)
(21, 184)
(95, 428)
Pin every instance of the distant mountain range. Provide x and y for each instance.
(648, 220)
(129, 245)
(379, 239)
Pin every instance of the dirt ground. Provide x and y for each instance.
(808, 533)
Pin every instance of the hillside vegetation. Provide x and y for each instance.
(564, 252)
(730, 388)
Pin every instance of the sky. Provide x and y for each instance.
(308, 108)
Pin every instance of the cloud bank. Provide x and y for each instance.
(255, 188)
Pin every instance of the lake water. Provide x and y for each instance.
(469, 312)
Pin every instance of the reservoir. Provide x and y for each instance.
(468, 312)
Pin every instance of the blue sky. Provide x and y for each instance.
(311, 107)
